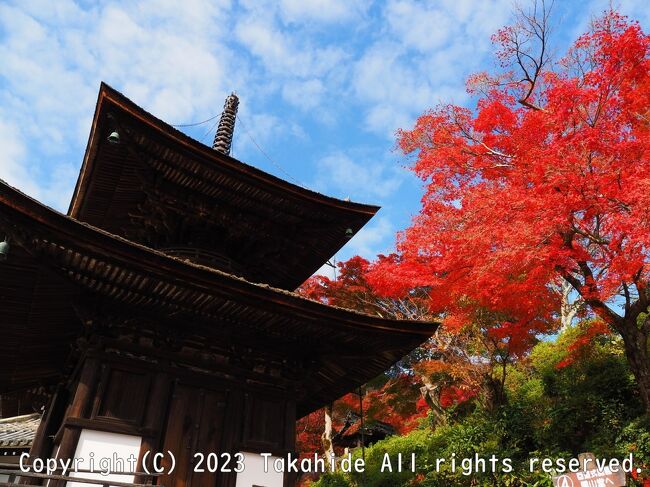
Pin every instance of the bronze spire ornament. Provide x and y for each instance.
(223, 137)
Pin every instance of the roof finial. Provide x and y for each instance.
(223, 137)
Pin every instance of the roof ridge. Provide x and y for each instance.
(107, 90)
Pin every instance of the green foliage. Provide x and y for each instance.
(417, 442)
(479, 438)
(581, 406)
(635, 438)
(555, 409)
(332, 480)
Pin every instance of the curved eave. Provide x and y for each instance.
(20, 208)
(110, 99)
(348, 348)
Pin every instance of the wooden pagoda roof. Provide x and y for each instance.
(19, 431)
(56, 259)
(163, 189)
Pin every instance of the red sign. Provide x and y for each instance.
(591, 478)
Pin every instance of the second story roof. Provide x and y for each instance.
(165, 190)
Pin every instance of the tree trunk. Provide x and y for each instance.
(326, 438)
(635, 336)
(568, 309)
(493, 392)
(636, 351)
(431, 394)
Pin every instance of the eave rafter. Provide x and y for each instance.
(281, 232)
(116, 270)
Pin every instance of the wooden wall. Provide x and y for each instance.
(172, 407)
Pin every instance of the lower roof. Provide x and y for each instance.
(55, 259)
(19, 431)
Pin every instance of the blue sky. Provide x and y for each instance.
(323, 85)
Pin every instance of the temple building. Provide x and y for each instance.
(159, 313)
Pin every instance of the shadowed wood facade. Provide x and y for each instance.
(161, 306)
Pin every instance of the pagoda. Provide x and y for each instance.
(160, 310)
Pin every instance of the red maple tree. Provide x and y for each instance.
(548, 178)
(392, 400)
(452, 367)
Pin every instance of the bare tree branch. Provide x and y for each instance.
(527, 43)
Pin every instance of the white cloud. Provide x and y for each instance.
(322, 10)
(371, 239)
(54, 54)
(59, 186)
(330, 59)
(17, 172)
(396, 89)
(429, 31)
(635, 9)
(12, 157)
(256, 137)
(305, 95)
(309, 13)
(423, 57)
(132, 45)
(364, 179)
(281, 54)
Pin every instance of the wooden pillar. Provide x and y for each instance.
(78, 408)
(53, 415)
(154, 419)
